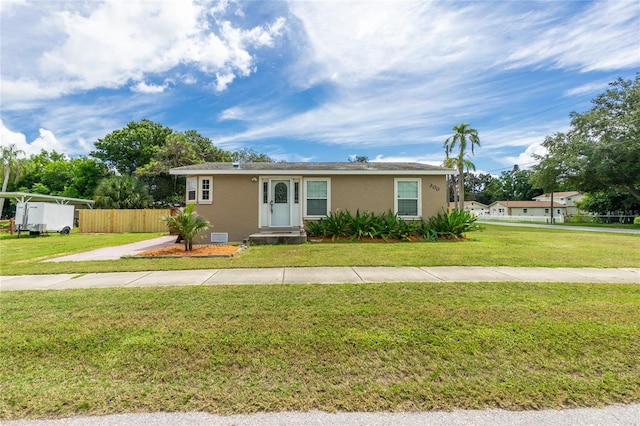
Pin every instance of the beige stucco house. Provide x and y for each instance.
(248, 198)
(475, 207)
(568, 198)
(527, 209)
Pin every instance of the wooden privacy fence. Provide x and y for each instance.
(119, 221)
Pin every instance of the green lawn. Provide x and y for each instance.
(364, 347)
(495, 246)
(243, 349)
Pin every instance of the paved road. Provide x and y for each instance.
(619, 415)
(562, 227)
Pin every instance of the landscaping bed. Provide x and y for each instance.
(197, 251)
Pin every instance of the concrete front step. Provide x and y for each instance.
(274, 238)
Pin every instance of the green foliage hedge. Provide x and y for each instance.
(388, 226)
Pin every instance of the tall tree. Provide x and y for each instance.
(601, 151)
(248, 155)
(9, 163)
(463, 138)
(131, 147)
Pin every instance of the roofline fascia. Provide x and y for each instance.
(298, 172)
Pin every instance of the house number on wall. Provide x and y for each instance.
(432, 186)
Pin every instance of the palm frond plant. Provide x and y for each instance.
(188, 224)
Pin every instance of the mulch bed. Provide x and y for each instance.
(198, 251)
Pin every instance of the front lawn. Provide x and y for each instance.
(367, 347)
(495, 246)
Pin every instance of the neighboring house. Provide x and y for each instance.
(526, 208)
(569, 199)
(475, 207)
(249, 198)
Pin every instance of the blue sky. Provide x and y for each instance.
(312, 80)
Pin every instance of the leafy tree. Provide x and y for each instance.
(9, 164)
(205, 150)
(188, 224)
(601, 151)
(359, 159)
(610, 201)
(182, 149)
(87, 173)
(476, 185)
(131, 147)
(53, 173)
(122, 192)
(179, 149)
(248, 155)
(461, 139)
(56, 176)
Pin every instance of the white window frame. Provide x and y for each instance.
(419, 199)
(195, 185)
(305, 199)
(202, 189)
(192, 186)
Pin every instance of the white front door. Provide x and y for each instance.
(280, 203)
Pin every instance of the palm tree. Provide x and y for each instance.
(463, 136)
(8, 162)
(188, 224)
(122, 192)
(452, 163)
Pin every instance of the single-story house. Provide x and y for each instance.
(240, 199)
(479, 209)
(526, 208)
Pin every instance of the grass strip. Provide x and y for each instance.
(368, 347)
(495, 246)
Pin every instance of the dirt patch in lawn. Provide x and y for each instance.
(198, 251)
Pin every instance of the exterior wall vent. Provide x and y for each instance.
(220, 237)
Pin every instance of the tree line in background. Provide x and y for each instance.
(599, 155)
(129, 168)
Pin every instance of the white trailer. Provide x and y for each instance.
(42, 217)
(40, 213)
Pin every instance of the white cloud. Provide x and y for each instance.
(603, 37)
(526, 159)
(591, 88)
(143, 87)
(424, 159)
(109, 44)
(7, 6)
(235, 113)
(46, 140)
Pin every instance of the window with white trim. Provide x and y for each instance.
(192, 190)
(408, 200)
(199, 189)
(206, 187)
(317, 195)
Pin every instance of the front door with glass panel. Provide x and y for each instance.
(280, 203)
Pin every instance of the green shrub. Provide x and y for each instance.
(636, 220)
(454, 224)
(388, 226)
(583, 218)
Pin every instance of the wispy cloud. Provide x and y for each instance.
(108, 44)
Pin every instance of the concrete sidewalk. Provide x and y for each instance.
(321, 275)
